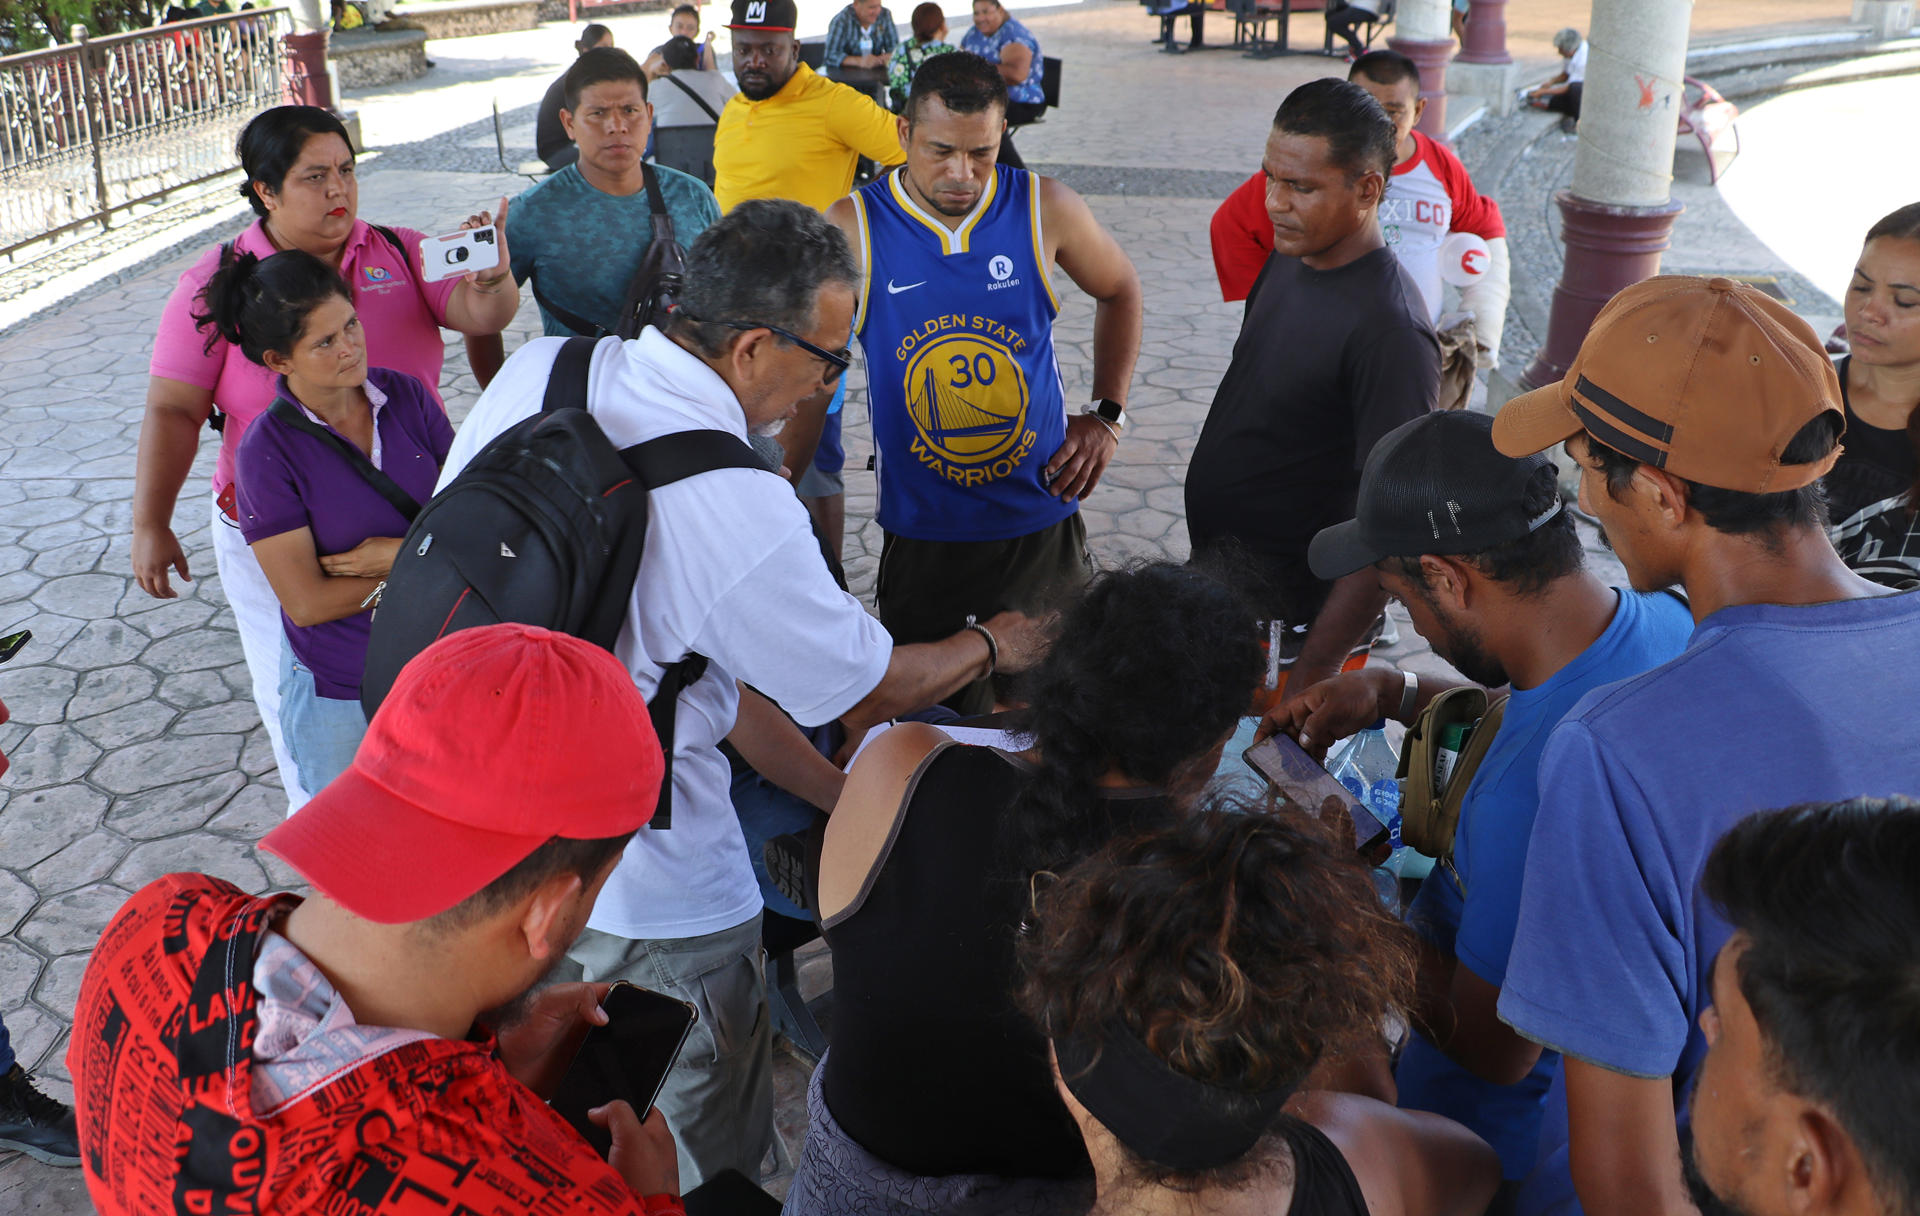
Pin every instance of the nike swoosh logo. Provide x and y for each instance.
(894, 291)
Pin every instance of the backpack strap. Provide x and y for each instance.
(698, 100)
(661, 462)
(683, 454)
(383, 485)
(567, 382)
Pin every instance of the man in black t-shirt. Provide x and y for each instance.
(1334, 352)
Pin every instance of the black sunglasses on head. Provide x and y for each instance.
(836, 363)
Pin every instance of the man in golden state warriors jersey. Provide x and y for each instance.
(982, 462)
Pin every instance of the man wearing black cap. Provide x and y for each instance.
(1477, 547)
(790, 132)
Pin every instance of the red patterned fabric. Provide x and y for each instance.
(162, 1066)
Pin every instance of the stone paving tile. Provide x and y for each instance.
(135, 746)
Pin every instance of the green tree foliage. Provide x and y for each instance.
(27, 25)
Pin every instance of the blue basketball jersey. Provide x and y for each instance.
(957, 326)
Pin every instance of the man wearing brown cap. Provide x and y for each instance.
(1702, 415)
(273, 1054)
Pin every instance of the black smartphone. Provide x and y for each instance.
(628, 1058)
(1305, 783)
(10, 645)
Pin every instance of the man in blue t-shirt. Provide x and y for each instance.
(1499, 587)
(580, 235)
(1702, 414)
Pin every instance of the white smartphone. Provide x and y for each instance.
(456, 253)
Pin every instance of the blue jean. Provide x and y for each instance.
(766, 811)
(322, 732)
(6, 1049)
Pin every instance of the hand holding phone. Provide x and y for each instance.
(468, 250)
(626, 1060)
(643, 1153)
(1303, 782)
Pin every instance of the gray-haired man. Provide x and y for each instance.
(731, 571)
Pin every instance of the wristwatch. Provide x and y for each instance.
(1108, 411)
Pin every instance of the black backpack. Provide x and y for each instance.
(545, 527)
(655, 287)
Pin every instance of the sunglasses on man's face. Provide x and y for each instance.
(836, 363)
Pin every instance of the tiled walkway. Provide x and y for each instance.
(135, 746)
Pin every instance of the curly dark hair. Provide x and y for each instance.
(1149, 669)
(1241, 944)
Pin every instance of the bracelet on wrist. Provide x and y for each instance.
(993, 647)
(1410, 693)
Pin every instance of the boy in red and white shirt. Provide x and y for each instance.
(1428, 197)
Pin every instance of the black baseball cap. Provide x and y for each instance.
(1433, 485)
(764, 15)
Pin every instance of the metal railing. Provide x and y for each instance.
(94, 127)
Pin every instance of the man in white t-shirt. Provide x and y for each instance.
(1562, 93)
(1429, 196)
(731, 571)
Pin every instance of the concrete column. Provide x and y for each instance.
(1618, 216)
(1486, 36)
(1483, 70)
(1423, 32)
(309, 80)
(1889, 18)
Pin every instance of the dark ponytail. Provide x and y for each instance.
(262, 304)
(1150, 668)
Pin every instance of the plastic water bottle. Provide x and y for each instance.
(1365, 765)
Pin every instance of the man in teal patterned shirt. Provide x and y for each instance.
(580, 235)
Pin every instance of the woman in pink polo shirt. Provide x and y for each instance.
(300, 182)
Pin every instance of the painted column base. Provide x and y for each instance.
(1608, 248)
(1432, 59)
(1496, 84)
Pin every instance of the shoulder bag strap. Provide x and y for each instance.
(399, 247)
(567, 382)
(383, 485)
(698, 100)
(657, 203)
(572, 320)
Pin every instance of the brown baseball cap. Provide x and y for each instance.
(1708, 379)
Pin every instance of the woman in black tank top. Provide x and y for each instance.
(1189, 978)
(935, 1095)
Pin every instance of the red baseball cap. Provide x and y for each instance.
(493, 741)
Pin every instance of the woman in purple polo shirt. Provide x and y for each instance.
(300, 181)
(323, 533)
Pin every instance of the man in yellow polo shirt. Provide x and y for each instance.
(790, 133)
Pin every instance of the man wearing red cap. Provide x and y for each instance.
(1702, 414)
(372, 1048)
